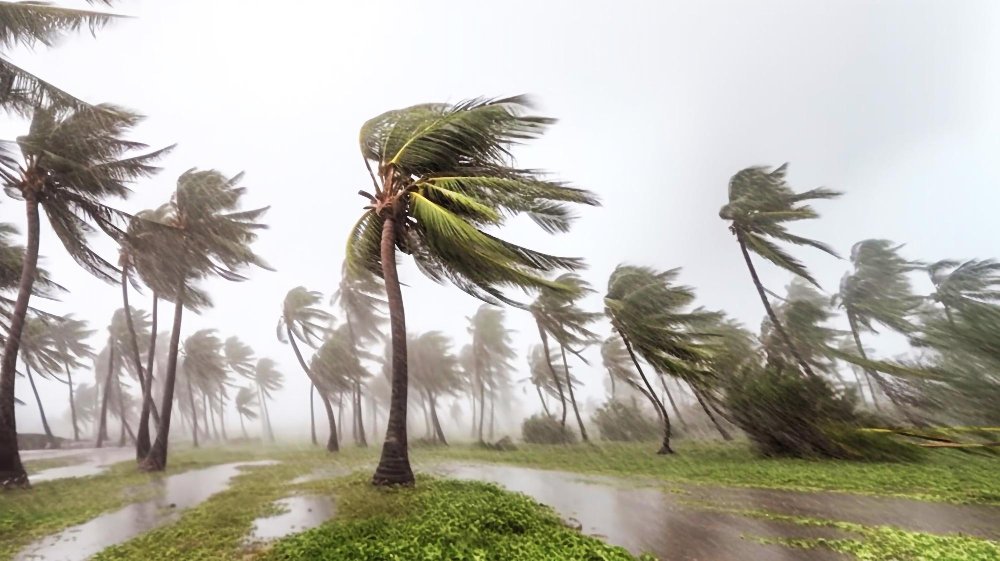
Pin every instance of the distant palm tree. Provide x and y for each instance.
(648, 311)
(70, 179)
(435, 373)
(760, 204)
(208, 235)
(69, 337)
(616, 360)
(246, 406)
(39, 353)
(492, 351)
(958, 284)
(541, 377)
(205, 368)
(336, 369)
(441, 174)
(301, 320)
(268, 380)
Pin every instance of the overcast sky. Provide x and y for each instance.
(659, 103)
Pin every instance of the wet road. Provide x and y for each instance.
(93, 461)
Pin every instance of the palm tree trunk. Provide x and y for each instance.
(665, 446)
(157, 458)
(708, 411)
(492, 402)
(882, 384)
(243, 427)
(333, 441)
(209, 414)
(194, 412)
(121, 414)
(319, 388)
(472, 394)
(552, 371)
(545, 406)
(767, 307)
(134, 349)
(265, 418)
(102, 430)
(354, 417)
(41, 410)
(359, 412)
(572, 396)
(394, 463)
(312, 415)
(72, 403)
(482, 408)
(434, 418)
(670, 398)
(142, 441)
(612, 378)
(12, 472)
(222, 416)
(340, 416)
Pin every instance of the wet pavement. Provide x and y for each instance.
(93, 461)
(300, 514)
(175, 493)
(677, 526)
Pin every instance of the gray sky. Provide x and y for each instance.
(893, 102)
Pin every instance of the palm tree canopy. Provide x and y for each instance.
(38, 347)
(540, 374)
(69, 337)
(492, 345)
(204, 362)
(11, 263)
(878, 289)
(239, 357)
(957, 283)
(445, 175)
(246, 403)
(335, 365)
(361, 299)
(301, 316)
(805, 313)
(761, 204)
(433, 367)
(558, 313)
(268, 377)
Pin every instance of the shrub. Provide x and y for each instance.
(622, 422)
(543, 429)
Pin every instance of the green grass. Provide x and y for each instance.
(943, 476)
(35, 466)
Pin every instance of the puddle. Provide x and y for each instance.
(175, 493)
(644, 519)
(92, 462)
(300, 514)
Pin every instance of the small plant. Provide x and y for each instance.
(621, 422)
(543, 429)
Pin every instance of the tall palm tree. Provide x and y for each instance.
(69, 337)
(441, 173)
(29, 24)
(541, 377)
(72, 161)
(435, 373)
(760, 205)
(39, 354)
(302, 321)
(616, 360)
(878, 291)
(246, 406)
(268, 380)
(648, 310)
(492, 351)
(205, 366)
(207, 235)
(336, 369)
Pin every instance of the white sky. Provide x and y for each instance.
(893, 102)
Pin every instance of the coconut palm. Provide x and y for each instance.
(435, 373)
(246, 406)
(492, 352)
(69, 338)
(960, 284)
(206, 369)
(616, 360)
(441, 173)
(760, 205)
(39, 354)
(207, 235)
(541, 377)
(302, 321)
(268, 380)
(336, 369)
(85, 399)
(648, 310)
(29, 24)
(72, 161)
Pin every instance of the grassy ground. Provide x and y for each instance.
(944, 475)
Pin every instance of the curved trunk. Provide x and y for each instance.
(438, 432)
(545, 406)
(670, 398)
(611, 376)
(133, 341)
(665, 446)
(265, 418)
(340, 416)
(319, 388)
(41, 410)
(157, 458)
(142, 443)
(882, 384)
(472, 394)
(72, 403)
(121, 415)
(243, 427)
(312, 415)
(492, 400)
(482, 408)
(12, 472)
(708, 411)
(206, 405)
(767, 307)
(222, 416)
(394, 463)
(552, 371)
(102, 429)
(359, 413)
(572, 396)
(194, 412)
(332, 442)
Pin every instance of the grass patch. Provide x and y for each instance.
(35, 466)
(943, 476)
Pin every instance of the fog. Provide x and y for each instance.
(659, 103)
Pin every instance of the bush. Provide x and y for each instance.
(543, 429)
(621, 422)
(787, 414)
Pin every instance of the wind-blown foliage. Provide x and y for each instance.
(69, 337)
(434, 371)
(492, 355)
(957, 283)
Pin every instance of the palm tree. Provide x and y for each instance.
(39, 353)
(958, 284)
(27, 24)
(647, 310)
(878, 291)
(71, 162)
(435, 373)
(492, 351)
(541, 377)
(268, 380)
(205, 367)
(302, 321)
(441, 173)
(337, 370)
(616, 360)
(246, 406)
(208, 235)
(69, 338)
(760, 204)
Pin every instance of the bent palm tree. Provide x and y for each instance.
(441, 173)
(435, 373)
(492, 351)
(246, 407)
(957, 284)
(69, 337)
(39, 353)
(72, 161)
(760, 204)
(268, 380)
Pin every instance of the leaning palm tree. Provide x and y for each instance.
(268, 380)
(302, 321)
(246, 406)
(435, 373)
(541, 377)
(760, 205)
(205, 368)
(958, 284)
(442, 173)
(335, 367)
(648, 310)
(39, 354)
(492, 352)
(72, 161)
(206, 234)
(69, 337)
